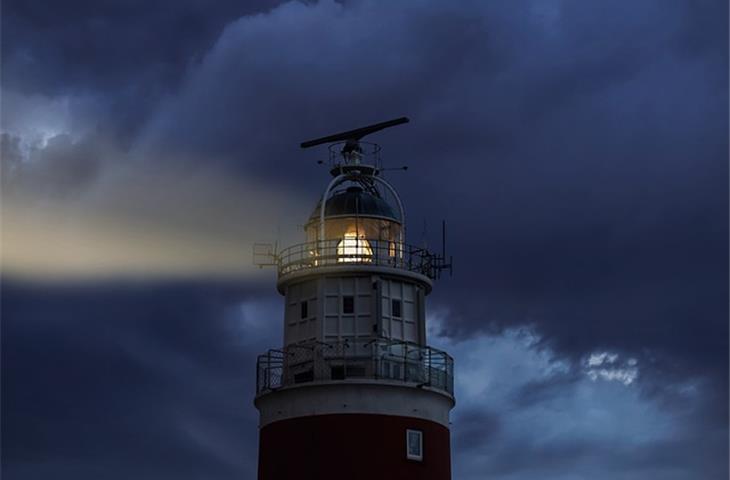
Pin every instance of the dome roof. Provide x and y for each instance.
(355, 201)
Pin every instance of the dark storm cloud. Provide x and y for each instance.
(128, 53)
(83, 45)
(479, 427)
(96, 379)
(577, 149)
(63, 165)
(518, 403)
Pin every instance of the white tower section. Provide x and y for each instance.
(355, 279)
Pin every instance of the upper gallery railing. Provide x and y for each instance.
(356, 251)
(377, 358)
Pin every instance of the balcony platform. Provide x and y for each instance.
(367, 255)
(373, 360)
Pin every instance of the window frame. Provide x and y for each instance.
(409, 455)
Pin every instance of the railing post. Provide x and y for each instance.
(268, 370)
(376, 367)
(439, 364)
(405, 362)
(429, 366)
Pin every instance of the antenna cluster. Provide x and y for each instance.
(348, 153)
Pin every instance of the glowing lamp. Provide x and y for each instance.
(354, 249)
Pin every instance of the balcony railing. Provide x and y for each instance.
(355, 359)
(346, 252)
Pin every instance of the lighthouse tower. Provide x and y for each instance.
(355, 392)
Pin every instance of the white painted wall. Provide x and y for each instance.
(373, 315)
(355, 397)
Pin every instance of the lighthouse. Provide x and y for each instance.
(354, 391)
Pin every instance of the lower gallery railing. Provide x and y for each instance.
(355, 359)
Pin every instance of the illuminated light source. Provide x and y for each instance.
(313, 254)
(395, 249)
(354, 249)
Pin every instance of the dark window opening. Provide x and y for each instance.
(337, 372)
(396, 308)
(341, 372)
(304, 377)
(356, 371)
(348, 304)
(304, 309)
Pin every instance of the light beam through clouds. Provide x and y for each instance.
(133, 217)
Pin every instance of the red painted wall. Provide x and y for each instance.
(351, 447)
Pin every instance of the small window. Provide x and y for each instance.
(304, 313)
(414, 445)
(348, 304)
(396, 308)
(337, 372)
(303, 377)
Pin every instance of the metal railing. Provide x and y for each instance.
(338, 252)
(377, 358)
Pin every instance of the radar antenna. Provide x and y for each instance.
(349, 154)
(353, 137)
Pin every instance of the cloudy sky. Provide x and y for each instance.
(577, 149)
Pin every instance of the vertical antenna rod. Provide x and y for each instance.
(443, 239)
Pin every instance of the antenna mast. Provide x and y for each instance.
(348, 151)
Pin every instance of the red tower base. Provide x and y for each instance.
(353, 447)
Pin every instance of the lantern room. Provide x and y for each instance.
(356, 221)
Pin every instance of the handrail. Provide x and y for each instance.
(369, 252)
(368, 358)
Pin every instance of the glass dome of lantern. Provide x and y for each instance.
(358, 222)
